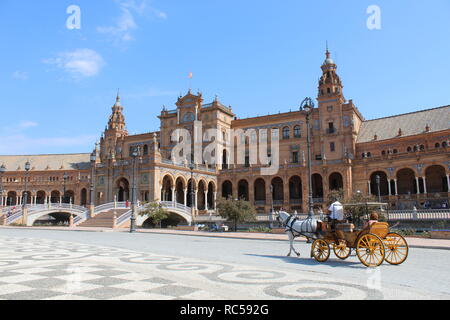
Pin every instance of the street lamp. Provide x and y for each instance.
(2, 171)
(134, 155)
(308, 105)
(271, 207)
(65, 178)
(25, 196)
(93, 160)
(192, 194)
(377, 179)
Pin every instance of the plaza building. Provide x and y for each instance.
(404, 159)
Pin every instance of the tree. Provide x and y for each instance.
(155, 211)
(236, 211)
(359, 206)
(335, 195)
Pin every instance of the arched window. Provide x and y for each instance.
(444, 144)
(422, 147)
(408, 149)
(437, 145)
(383, 152)
(297, 132)
(145, 150)
(395, 151)
(286, 133)
(369, 154)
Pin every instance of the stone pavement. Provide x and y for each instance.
(45, 269)
(412, 241)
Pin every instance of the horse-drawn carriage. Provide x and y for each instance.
(373, 244)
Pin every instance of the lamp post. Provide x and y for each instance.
(134, 155)
(93, 160)
(192, 195)
(308, 105)
(25, 196)
(271, 207)
(2, 171)
(65, 178)
(377, 179)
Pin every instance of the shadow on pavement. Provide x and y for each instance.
(311, 262)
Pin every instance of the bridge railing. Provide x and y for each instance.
(435, 214)
(5, 210)
(110, 205)
(124, 217)
(175, 205)
(51, 206)
(14, 217)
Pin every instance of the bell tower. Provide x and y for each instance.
(115, 132)
(331, 101)
(330, 85)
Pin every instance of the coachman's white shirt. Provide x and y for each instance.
(337, 211)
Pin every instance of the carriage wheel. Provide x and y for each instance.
(370, 250)
(341, 250)
(396, 248)
(320, 250)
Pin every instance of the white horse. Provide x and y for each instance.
(296, 228)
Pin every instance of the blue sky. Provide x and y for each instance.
(58, 85)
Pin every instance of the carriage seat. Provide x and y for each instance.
(345, 227)
(380, 229)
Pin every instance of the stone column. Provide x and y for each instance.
(448, 182)
(206, 200)
(389, 187)
(214, 200)
(417, 185)
(424, 185)
(396, 188)
(286, 194)
(185, 196)
(195, 199)
(370, 190)
(174, 196)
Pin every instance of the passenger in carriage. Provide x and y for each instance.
(373, 219)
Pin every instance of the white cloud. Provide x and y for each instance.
(122, 31)
(18, 127)
(25, 124)
(78, 63)
(20, 75)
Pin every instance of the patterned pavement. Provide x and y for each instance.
(57, 270)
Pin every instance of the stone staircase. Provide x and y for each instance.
(105, 219)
